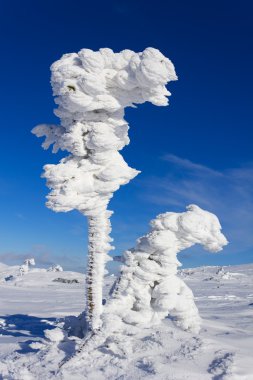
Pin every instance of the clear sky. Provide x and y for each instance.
(197, 150)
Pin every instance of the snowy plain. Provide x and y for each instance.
(34, 304)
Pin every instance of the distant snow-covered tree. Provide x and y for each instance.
(24, 268)
(148, 288)
(92, 89)
(55, 268)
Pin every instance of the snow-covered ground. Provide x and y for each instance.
(33, 303)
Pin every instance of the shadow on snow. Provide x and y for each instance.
(21, 325)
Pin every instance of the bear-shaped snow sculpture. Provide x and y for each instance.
(148, 288)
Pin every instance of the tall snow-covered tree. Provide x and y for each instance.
(92, 89)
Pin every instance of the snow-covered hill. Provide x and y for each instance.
(33, 303)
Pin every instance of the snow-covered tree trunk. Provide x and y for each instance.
(99, 228)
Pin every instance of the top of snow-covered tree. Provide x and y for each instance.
(91, 89)
(106, 81)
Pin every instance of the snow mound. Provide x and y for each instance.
(54, 335)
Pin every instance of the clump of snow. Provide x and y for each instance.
(37, 345)
(148, 288)
(92, 90)
(54, 335)
(24, 268)
(55, 268)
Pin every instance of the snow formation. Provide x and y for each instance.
(92, 89)
(148, 288)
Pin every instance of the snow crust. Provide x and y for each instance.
(148, 288)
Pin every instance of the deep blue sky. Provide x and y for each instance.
(197, 150)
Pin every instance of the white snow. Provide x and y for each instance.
(222, 350)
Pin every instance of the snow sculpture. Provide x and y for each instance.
(91, 90)
(148, 288)
(24, 268)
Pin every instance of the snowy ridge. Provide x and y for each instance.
(222, 350)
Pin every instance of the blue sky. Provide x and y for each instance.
(197, 150)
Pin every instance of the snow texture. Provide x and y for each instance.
(92, 89)
(34, 303)
(148, 288)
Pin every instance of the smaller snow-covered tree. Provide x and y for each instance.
(148, 288)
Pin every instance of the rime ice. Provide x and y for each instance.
(92, 89)
(148, 288)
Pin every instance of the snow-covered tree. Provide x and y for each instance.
(55, 268)
(148, 288)
(24, 268)
(92, 89)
